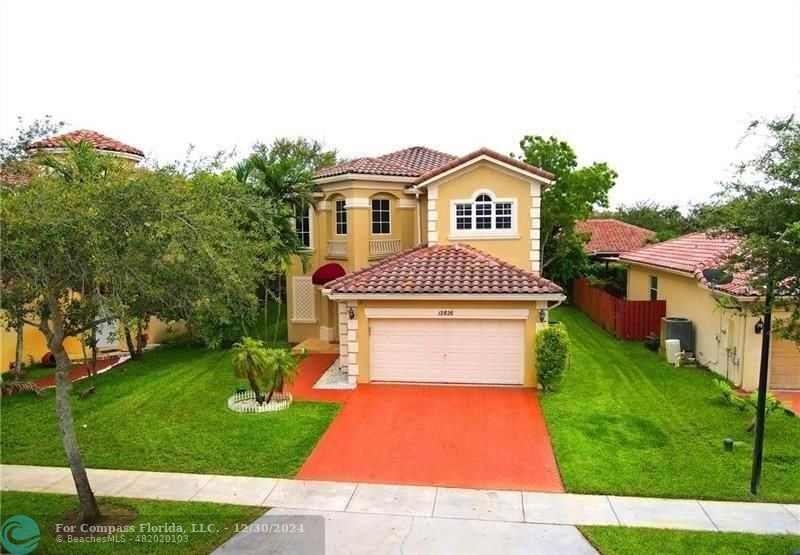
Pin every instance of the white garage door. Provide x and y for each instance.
(785, 365)
(447, 351)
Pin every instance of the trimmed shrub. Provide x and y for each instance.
(552, 356)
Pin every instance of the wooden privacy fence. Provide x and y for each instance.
(631, 320)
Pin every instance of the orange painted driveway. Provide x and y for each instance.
(472, 437)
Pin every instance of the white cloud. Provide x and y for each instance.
(661, 91)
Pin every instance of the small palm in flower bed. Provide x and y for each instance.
(265, 369)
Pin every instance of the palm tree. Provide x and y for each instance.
(252, 362)
(286, 184)
(283, 366)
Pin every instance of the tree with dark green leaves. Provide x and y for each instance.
(573, 196)
(310, 154)
(16, 170)
(666, 220)
(762, 207)
(89, 238)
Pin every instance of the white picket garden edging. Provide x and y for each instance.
(246, 402)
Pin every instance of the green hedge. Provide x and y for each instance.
(552, 356)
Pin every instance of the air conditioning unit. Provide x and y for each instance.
(678, 328)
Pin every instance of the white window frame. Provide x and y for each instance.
(310, 216)
(653, 291)
(336, 213)
(372, 215)
(493, 232)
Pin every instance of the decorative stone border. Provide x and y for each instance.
(246, 402)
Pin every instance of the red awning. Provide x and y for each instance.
(326, 273)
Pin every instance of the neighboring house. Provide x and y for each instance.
(425, 267)
(726, 339)
(34, 343)
(608, 238)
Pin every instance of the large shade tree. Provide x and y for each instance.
(573, 196)
(762, 207)
(15, 171)
(89, 237)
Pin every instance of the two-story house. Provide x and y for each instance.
(425, 268)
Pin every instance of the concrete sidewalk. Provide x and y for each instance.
(419, 501)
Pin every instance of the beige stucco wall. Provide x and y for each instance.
(35, 345)
(359, 330)
(725, 339)
(503, 184)
(358, 193)
(412, 224)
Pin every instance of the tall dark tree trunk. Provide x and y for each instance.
(66, 427)
(266, 305)
(17, 373)
(139, 339)
(94, 350)
(89, 369)
(129, 342)
(278, 315)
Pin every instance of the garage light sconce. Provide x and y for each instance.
(542, 315)
(351, 313)
(759, 326)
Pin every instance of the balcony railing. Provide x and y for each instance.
(383, 247)
(337, 249)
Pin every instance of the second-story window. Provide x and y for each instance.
(302, 225)
(483, 215)
(381, 216)
(341, 217)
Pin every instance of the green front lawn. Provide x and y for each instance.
(167, 412)
(612, 540)
(625, 422)
(48, 509)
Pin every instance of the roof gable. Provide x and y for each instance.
(443, 269)
(484, 154)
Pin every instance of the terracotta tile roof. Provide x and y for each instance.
(421, 163)
(97, 140)
(443, 269)
(693, 253)
(609, 236)
(491, 154)
(409, 162)
(16, 174)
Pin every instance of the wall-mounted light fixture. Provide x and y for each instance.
(759, 326)
(351, 313)
(542, 315)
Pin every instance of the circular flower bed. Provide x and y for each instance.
(246, 402)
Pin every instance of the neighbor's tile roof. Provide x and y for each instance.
(421, 163)
(17, 173)
(693, 253)
(409, 162)
(444, 269)
(97, 140)
(609, 236)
